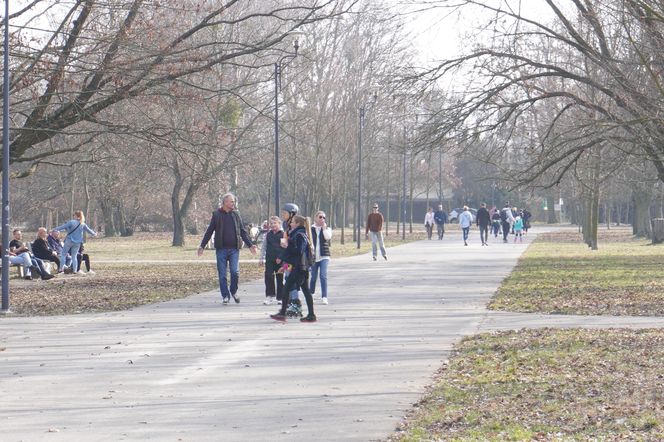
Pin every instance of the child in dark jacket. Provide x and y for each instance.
(296, 257)
(269, 254)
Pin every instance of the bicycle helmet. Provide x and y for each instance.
(291, 208)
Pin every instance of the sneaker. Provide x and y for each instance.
(325, 301)
(91, 272)
(309, 318)
(48, 276)
(374, 258)
(385, 257)
(236, 298)
(268, 300)
(279, 317)
(80, 273)
(225, 301)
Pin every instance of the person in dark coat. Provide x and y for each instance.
(229, 233)
(483, 219)
(270, 251)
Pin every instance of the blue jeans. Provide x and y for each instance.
(232, 257)
(377, 239)
(70, 248)
(465, 233)
(320, 266)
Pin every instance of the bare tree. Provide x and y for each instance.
(73, 61)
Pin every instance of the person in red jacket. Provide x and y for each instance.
(375, 226)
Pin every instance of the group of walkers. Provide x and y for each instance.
(48, 247)
(489, 221)
(294, 252)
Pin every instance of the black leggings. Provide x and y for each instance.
(298, 279)
(85, 258)
(271, 274)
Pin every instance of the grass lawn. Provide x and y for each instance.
(559, 274)
(546, 385)
(122, 281)
(558, 385)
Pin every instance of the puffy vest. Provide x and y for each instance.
(322, 242)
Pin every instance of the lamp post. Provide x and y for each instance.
(5, 168)
(278, 67)
(358, 211)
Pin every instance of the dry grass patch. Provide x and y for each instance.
(546, 385)
(559, 274)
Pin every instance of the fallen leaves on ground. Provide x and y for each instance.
(624, 277)
(546, 385)
(117, 287)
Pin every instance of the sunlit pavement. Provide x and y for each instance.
(197, 370)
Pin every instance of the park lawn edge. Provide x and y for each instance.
(558, 274)
(545, 384)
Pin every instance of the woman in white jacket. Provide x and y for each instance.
(465, 221)
(429, 222)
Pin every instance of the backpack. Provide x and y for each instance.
(308, 258)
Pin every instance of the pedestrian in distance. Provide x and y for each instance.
(440, 218)
(321, 235)
(429, 222)
(465, 221)
(270, 252)
(74, 228)
(375, 226)
(495, 223)
(483, 221)
(526, 215)
(518, 228)
(506, 220)
(298, 257)
(229, 234)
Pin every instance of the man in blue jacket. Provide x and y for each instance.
(229, 233)
(440, 217)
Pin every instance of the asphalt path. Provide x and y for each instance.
(196, 370)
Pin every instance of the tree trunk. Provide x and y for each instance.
(123, 224)
(107, 213)
(180, 209)
(594, 218)
(551, 212)
(641, 204)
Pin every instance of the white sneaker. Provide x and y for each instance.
(91, 272)
(80, 273)
(325, 301)
(268, 300)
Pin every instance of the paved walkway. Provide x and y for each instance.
(195, 370)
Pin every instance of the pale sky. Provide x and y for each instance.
(437, 32)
